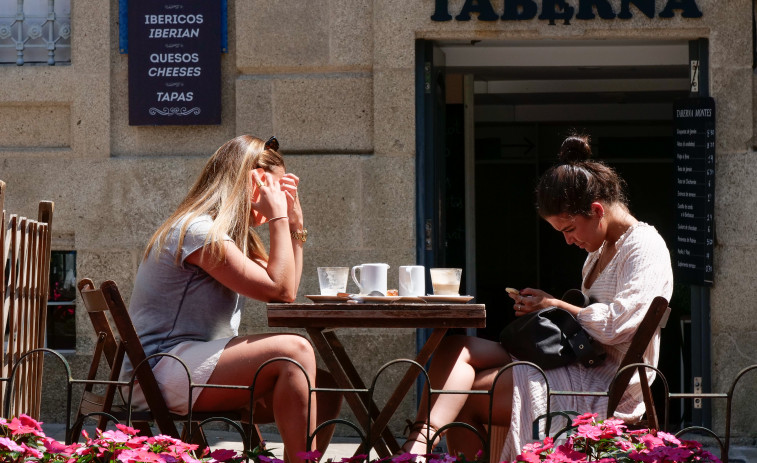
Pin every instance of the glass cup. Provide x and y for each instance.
(446, 281)
(333, 280)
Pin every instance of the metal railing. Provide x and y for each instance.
(367, 435)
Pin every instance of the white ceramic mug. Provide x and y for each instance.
(412, 280)
(372, 278)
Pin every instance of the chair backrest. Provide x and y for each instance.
(107, 298)
(655, 318)
(24, 285)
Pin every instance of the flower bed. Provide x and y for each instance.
(608, 441)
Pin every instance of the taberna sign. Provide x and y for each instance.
(563, 10)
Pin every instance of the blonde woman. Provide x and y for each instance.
(186, 298)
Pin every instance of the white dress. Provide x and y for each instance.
(639, 271)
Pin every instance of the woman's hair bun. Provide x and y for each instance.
(574, 149)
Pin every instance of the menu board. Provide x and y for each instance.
(174, 62)
(694, 122)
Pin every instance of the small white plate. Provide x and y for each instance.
(324, 298)
(453, 299)
(380, 299)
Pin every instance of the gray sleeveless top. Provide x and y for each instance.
(174, 303)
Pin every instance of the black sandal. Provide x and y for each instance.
(421, 437)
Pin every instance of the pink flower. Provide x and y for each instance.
(528, 458)
(651, 441)
(586, 418)
(668, 438)
(405, 457)
(671, 453)
(564, 453)
(27, 420)
(24, 425)
(691, 444)
(53, 446)
(539, 447)
(590, 432)
(126, 429)
(354, 459)
(31, 452)
(10, 445)
(446, 458)
(310, 456)
(623, 445)
(223, 454)
(144, 456)
(266, 459)
(636, 456)
(114, 436)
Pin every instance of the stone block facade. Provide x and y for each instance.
(334, 80)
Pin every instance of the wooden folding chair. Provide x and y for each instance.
(24, 281)
(107, 299)
(655, 318)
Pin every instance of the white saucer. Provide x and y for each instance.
(450, 298)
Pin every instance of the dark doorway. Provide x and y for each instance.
(524, 109)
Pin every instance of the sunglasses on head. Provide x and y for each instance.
(272, 144)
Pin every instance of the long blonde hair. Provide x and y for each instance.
(223, 191)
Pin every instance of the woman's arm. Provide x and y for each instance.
(644, 273)
(290, 184)
(275, 281)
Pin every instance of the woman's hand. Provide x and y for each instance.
(530, 300)
(272, 200)
(289, 184)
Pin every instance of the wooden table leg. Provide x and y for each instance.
(342, 378)
(405, 384)
(349, 368)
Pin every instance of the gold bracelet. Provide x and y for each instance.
(300, 235)
(277, 218)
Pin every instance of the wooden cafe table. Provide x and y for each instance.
(321, 319)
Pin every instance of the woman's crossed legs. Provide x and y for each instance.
(464, 363)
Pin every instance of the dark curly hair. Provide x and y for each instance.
(570, 186)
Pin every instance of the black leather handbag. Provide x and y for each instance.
(552, 337)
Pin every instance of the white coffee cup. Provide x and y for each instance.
(412, 280)
(372, 277)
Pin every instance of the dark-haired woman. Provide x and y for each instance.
(628, 264)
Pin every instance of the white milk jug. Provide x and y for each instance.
(372, 277)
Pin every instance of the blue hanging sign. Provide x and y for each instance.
(174, 62)
(123, 26)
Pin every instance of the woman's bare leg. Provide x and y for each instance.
(476, 412)
(454, 366)
(284, 380)
(329, 404)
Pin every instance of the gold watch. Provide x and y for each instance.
(300, 235)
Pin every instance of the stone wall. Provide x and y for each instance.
(334, 81)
